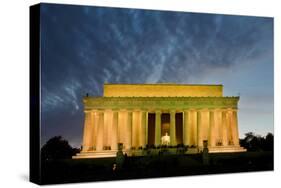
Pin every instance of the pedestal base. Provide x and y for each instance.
(226, 149)
(112, 153)
(95, 154)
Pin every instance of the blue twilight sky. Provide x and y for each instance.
(84, 47)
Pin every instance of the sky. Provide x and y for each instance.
(83, 47)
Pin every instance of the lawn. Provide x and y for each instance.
(80, 170)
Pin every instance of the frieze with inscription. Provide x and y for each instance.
(159, 102)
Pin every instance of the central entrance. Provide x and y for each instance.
(165, 124)
(165, 127)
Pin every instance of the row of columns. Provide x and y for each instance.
(103, 130)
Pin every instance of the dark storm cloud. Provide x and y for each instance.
(85, 47)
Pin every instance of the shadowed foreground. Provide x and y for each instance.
(82, 170)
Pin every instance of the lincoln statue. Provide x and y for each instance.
(141, 116)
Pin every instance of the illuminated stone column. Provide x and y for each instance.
(218, 127)
(158, 128)
(136, 129)
(99, 146)
(95, 131)
(193, 127)
(146, 128)
(212, 135)
(199, 129)
(143, 129)
(224, 128)
(122, 127)
(235, 128)
(92, 130)
(186, 128)
(129, 130)
(173, 128)
(205, 124)
(229, 126)
(88, 130)
(107, 129)
(114, 142)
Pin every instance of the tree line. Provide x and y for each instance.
(253, 142)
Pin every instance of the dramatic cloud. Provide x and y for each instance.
(84, 47)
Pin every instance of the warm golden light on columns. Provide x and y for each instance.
(199, 129)
(87, 144)
(186, 128)
(212, 135)
(129, 130)
(114, 142)
(95, 129)
(158, 128)
(136, 128)
(205, 121)
(193, 128)
(107, 128)
(173, 127)
(146, 128)
(99, 146)
(109, 121)
(224, 128)
(91, 129)
(143, 129)
(218, 127)
(229, 126)
(122, 126)
(235, 128)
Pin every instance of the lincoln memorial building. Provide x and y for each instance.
(142, 117)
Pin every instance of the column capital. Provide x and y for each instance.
(158, 111)
(136, 110)
(115, 110)
(87, 111)
(202, 109)
(211, 110)
(191, 109)
(127, 109)
(172, 111)
(144, 110)
(224, 110)
(229, 109)
(217, 109)
(100, 111)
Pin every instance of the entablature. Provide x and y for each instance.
(160, 102)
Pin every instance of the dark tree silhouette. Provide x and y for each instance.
(269, 144)
(57, 148)
(254, 142)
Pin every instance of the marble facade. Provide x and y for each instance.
(141, 115)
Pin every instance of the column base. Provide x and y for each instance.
(226, 149)
(173, 151)
(105, 154)
(95, 154)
